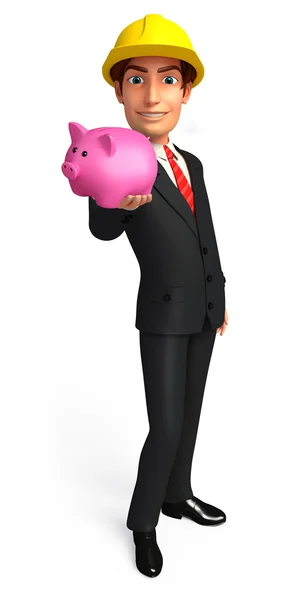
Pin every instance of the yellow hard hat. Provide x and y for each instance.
(153, 36)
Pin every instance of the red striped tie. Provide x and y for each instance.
(181, 180)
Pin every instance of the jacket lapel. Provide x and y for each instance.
(173, 196)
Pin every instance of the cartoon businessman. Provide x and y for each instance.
(181, 298)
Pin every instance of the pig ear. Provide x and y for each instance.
(76, 131)
(108, 143)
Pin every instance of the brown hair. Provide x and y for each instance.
(189, 73)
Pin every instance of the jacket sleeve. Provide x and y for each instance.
(108, 223)
(208, 203)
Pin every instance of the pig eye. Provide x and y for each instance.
(75, 149)
(84, 153)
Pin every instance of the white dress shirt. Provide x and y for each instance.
(163, 160)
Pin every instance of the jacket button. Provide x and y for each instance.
(166, 297)
(205, 250)
(127, 218)
(209, 278)
(210, 305)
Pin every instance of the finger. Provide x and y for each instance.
(124, 202)
(128, 203)
(129, 200)
(134, 201)
(221, 329)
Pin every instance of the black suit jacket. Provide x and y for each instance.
(181, 275)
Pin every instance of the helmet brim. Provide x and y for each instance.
(169, 51)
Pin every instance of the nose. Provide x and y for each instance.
(70, 170)
(152, 93)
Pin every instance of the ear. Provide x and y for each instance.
(119, 95)
(188, 88)
(108, 143)
(76, 131)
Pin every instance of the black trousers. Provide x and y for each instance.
(175, 369)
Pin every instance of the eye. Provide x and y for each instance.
(170, 77)
(135, 77)
(84, 153)
(75, 149)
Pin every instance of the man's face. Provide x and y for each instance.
(152, 84)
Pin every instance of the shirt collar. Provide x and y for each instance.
(160, 152)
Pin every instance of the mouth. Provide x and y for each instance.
(155, 116)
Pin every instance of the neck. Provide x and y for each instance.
(160, 139)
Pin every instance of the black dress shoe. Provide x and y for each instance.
(196, 510)
(149, 559)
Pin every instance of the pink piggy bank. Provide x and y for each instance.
(109, 163)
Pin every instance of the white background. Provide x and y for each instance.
(73, 414)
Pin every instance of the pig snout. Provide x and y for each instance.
(70, 170)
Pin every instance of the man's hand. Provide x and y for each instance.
(224, 324)
(133, 202)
